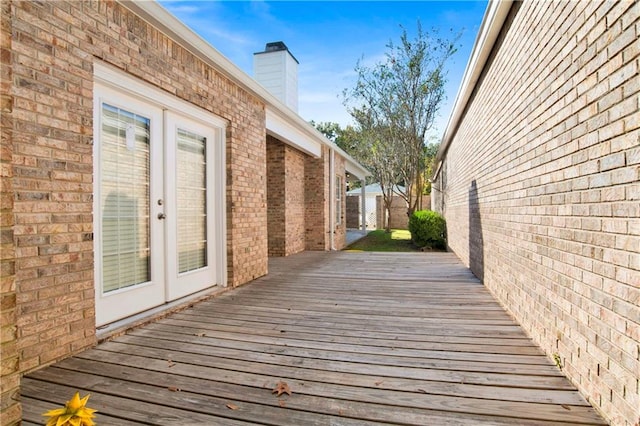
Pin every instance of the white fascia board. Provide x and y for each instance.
(159, 17)
(494, 17)
(162, 19)
(352, 167)
(286, 131)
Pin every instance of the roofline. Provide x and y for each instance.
(494, 18)
(160, 17)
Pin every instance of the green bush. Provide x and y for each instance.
(428, 229)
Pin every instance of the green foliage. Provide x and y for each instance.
(394, 104)
(428, 229)
(557, 360)
(348, 138)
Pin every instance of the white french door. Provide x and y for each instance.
(159, 200)
(129, 266)
(189, 205)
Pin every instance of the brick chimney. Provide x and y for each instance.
(277, 70)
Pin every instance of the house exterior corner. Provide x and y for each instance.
(539, 181)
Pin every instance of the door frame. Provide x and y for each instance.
(108, 79)
(179, 285)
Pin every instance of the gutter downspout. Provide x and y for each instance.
(363, 206)
(332, 197)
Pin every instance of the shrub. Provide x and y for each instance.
(428, 229)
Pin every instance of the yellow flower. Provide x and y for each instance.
(74, 413)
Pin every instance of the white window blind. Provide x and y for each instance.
(191, 195)
(124, 198)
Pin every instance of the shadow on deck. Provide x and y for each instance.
(360, 338)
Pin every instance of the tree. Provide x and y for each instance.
(394, 104)
(347, 139)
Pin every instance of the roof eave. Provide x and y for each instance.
(158, 16)
(494, 18)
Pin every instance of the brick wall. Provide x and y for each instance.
(397, 214)
(276, 203)
(541, 189)
(316, 214)
(54, 47)
(398, 218)
(285, 198)
(10, 411)
(353, 216)
(295, 200)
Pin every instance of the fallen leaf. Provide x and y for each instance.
(170, 363)
(282, 403)
(566, 407)
(174, 389)
(232, 406)
(379, 382)
(282, 387)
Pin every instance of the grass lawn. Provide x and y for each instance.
(379, 240)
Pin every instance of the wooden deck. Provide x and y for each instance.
(360, 338)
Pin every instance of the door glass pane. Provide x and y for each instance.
(124, 202)
(192, 207)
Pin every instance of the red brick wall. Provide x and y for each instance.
(285, 198)
(353, 211)
(276, 203)
(317, 202)
(294, 200)
(541, 190)
(318, 186)
(54, 47)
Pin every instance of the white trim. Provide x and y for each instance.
(113, 84)
(283, 129)
(363, 205)
(118, 79)
(332, 198)
(118, 304)
(159, 17)
(494, 17)
(338, 194)
(179, 285)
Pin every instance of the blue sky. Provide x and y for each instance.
(328, 38)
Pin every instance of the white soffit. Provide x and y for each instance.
(281, 128)
(354, 168)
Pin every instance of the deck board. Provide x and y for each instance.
(361, 338)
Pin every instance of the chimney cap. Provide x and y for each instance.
(276, 46)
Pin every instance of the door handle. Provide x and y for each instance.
(162, 216)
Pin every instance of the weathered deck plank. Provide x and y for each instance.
(361, 338)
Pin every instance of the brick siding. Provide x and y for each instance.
(317, 198)
(398, 218)
(353, 211)
(54, 47)
(10, 410)
(317, 202)
(285, 198)
(541, 189)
